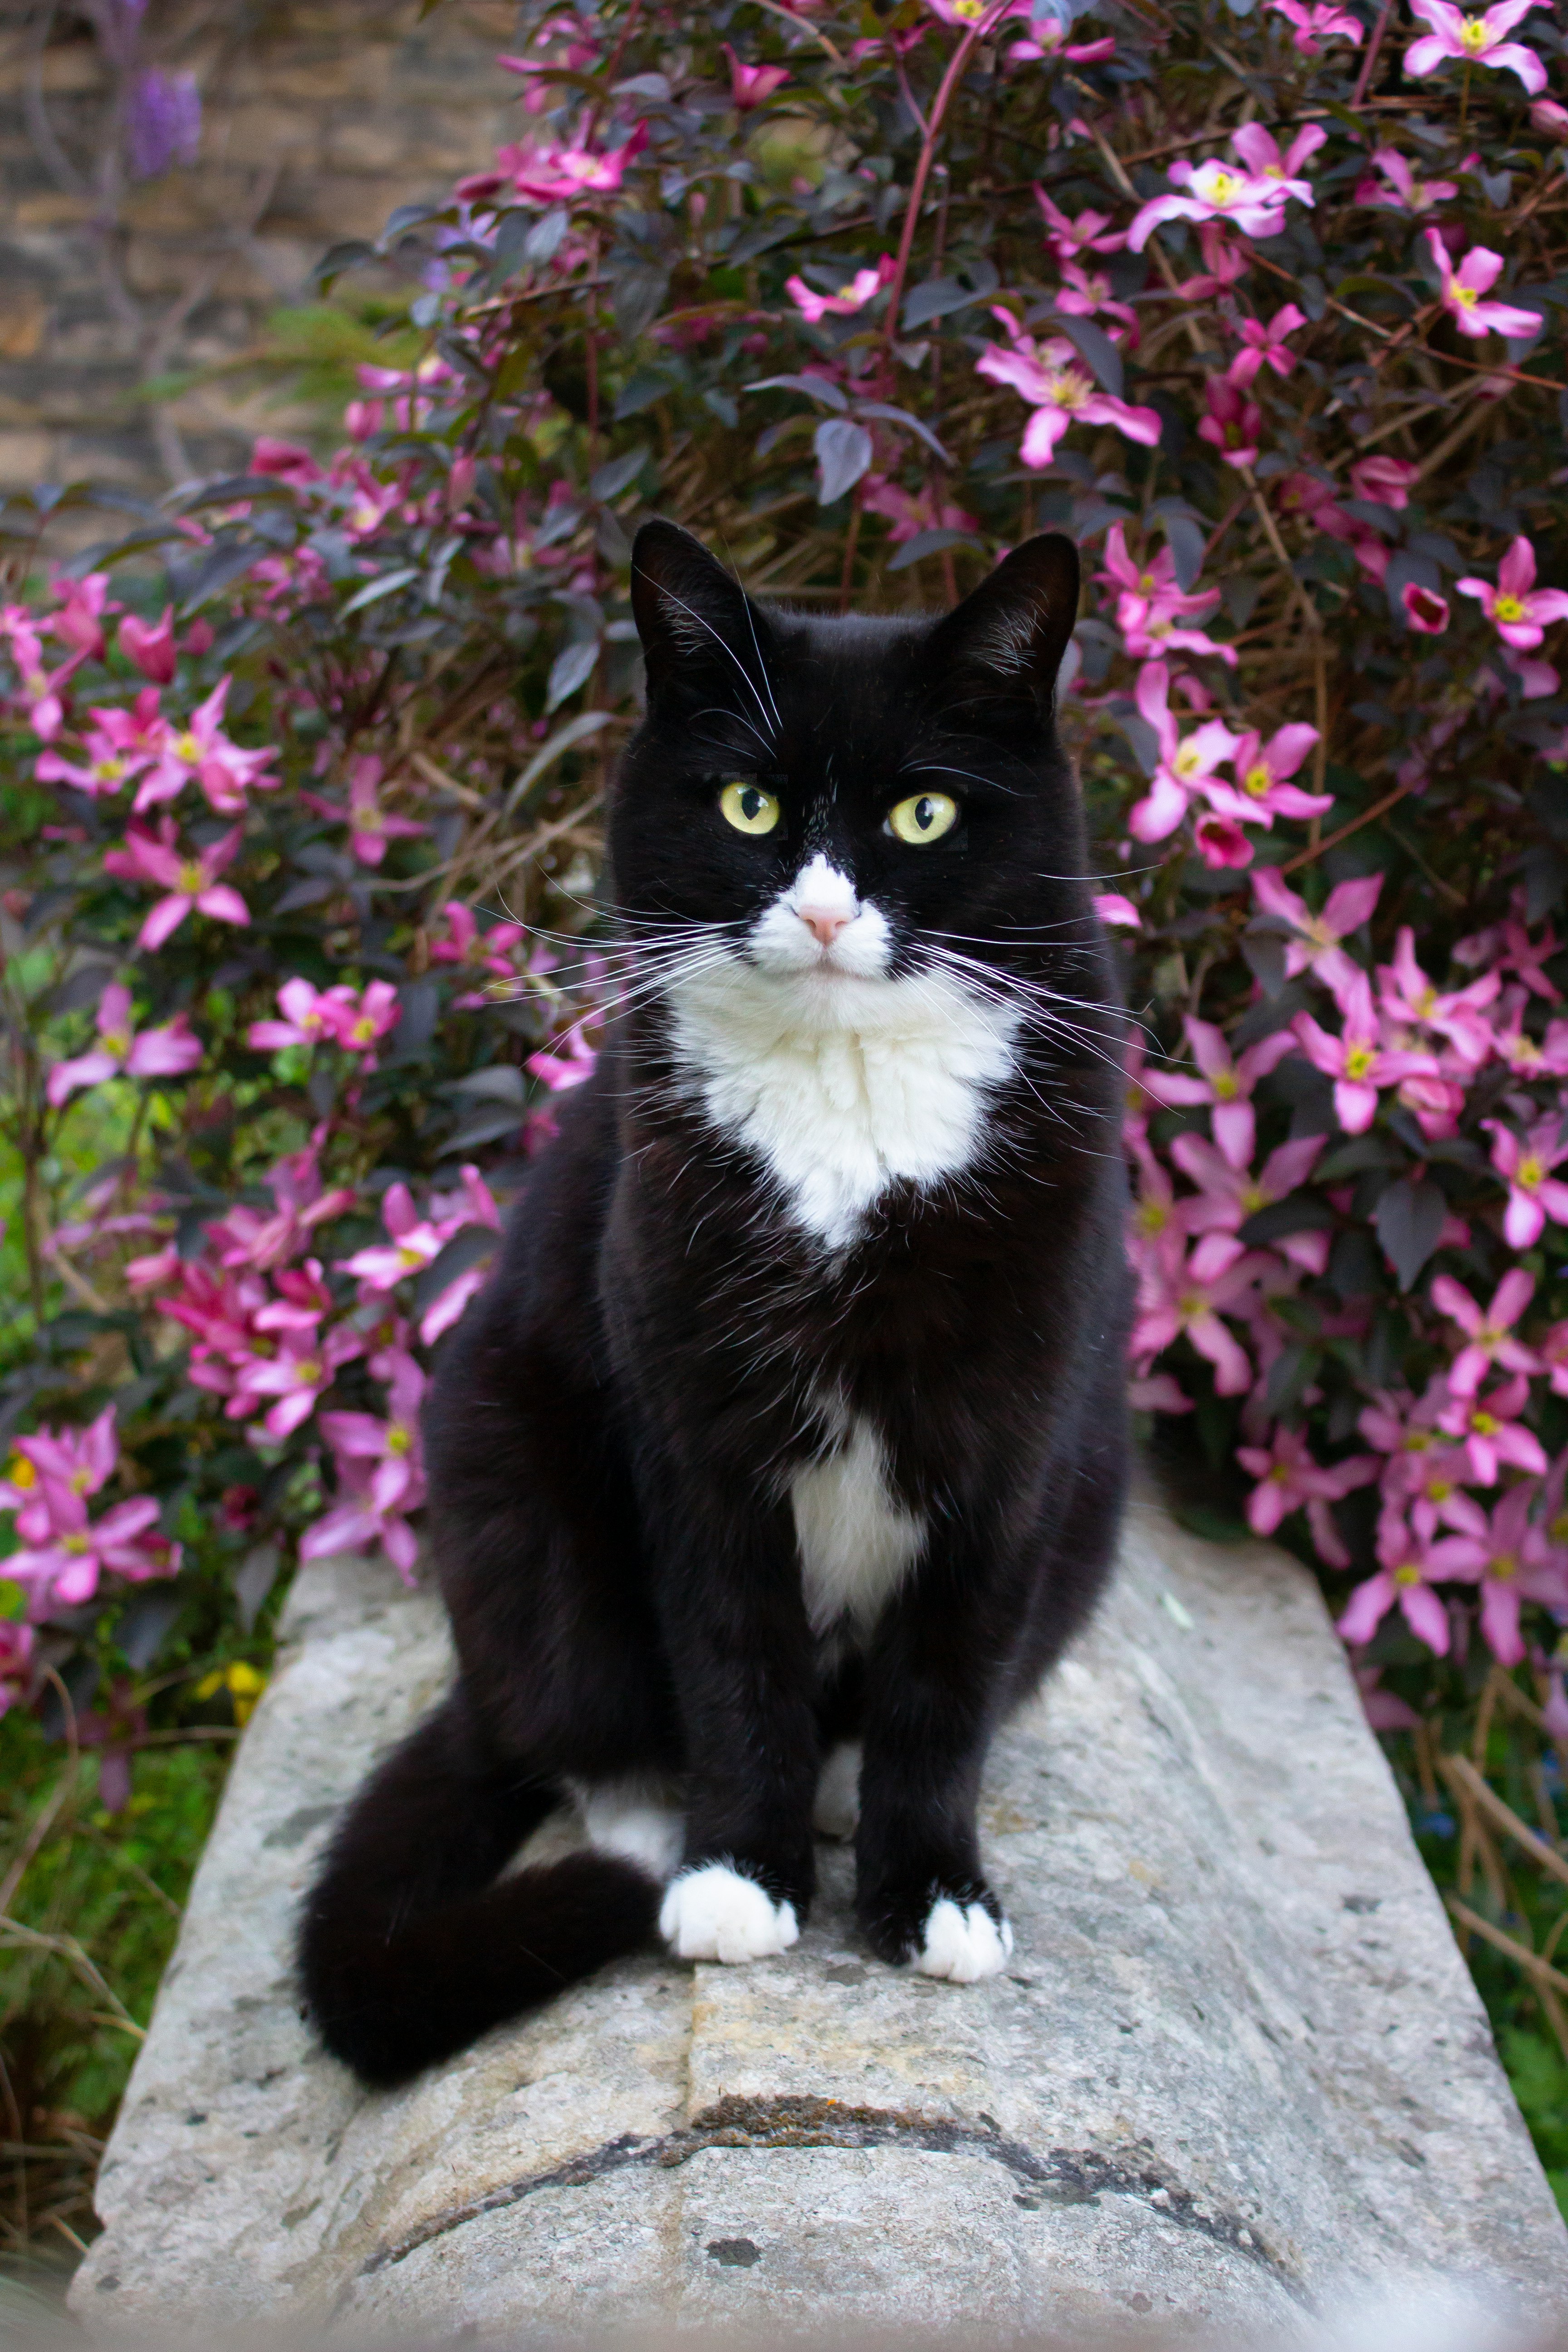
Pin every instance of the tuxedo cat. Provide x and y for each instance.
(786, 1448)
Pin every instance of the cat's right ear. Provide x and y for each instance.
(691, 615)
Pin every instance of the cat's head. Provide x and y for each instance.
(843, 800)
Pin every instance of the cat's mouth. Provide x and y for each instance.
(820, 928)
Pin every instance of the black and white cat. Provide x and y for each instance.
(786, 1448)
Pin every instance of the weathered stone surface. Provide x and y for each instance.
(1237, 2067)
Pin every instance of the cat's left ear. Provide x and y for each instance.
(1007, 639)
(692, 616)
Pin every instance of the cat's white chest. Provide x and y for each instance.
(844, 1087)
(855, 1540)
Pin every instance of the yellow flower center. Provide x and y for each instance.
(1484, 1425)
(187, 749)
(1254, 1199)
(1531, 1172)
(1359, 1061)
(1509, 608)
(1475, 36)
(410, 1257)
(399, 1440)
(1559, 1528)
(108, 771)
(1416, 1441)
(1408, 1573)
(1439, 1489)
(1226, 1086)
(364, 1031)
(307, 1372)
(80, 1481)
(20, 1472)
(1504, 1565)
(846, 293)
(76, 1545)
(1192, 1306)
(969, 12)
(1152, 1216)
(1466, 296)
(1186, 761)
(1256, 781)
(118, 1043)
(192, 881)
(1222, 188)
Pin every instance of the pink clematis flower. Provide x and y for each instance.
(1401, 190)
(1316, 24)
(1431, 1486)
(1186, 764)
(412, 1243)
(309, 1016)
(80, 1461)
(1512, 1562)
(1517, 609)
(202, 753)
(42, 692)
(1081, 296)
(554, 174)
(1387, 481)
(118, 746)
(1151, 608)
(1357, 1059)
(1049, 38)
(1222, 264)
(1224, 1083)
(363, 1016)
(1070, 239)
(1234, 422)
(1489, 1332)
(1216, 191)
(1262, 770)
(165, 1053)
(1316, 945)
(397, 1479)
(1532, 1057)
(16, 1662)
(355, 1524)
(370, 827)
(752, 86)
(1490, 1432)
(1051, 377)
(151, 645)
(568, 1061)
(187, 881)
(1261, 152)
(1475, 40)
(63, 1565)
(1191, 1296)
(1404, 1579)
(1229, 1194)
(78, 622)
(1426, 612)
(304, 1366)
(1265, 346)
(851, 297)
(1525, 1165)
(1289, 1480)
(1461, 290)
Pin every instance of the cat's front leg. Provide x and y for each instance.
(740, 1655)
(921, 1895)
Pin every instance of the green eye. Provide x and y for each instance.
(925, 818)
(748, 808)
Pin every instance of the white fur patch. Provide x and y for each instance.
(627, 1818)
(837, 1811)
(714, 1914)
(963, 1943)
(842, 1080)
(856, 1542)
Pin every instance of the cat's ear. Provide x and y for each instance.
(1005, 642)
(691, 614)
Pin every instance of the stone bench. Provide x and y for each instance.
(1238, 2068)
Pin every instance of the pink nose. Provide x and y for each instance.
(824, 926)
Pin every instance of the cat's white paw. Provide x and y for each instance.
(963, 1943)
(837, 1811)
(714, 1914)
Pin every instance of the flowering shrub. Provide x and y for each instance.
(303, 768)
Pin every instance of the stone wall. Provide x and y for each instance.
(318, 118)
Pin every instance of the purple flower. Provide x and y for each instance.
(163, 122)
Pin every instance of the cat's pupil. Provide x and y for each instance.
(925, 814)
(750, 803)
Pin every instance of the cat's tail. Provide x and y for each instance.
(411, 1945)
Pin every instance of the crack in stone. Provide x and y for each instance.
(1064, 2176)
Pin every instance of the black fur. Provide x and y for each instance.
(614, 1423)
